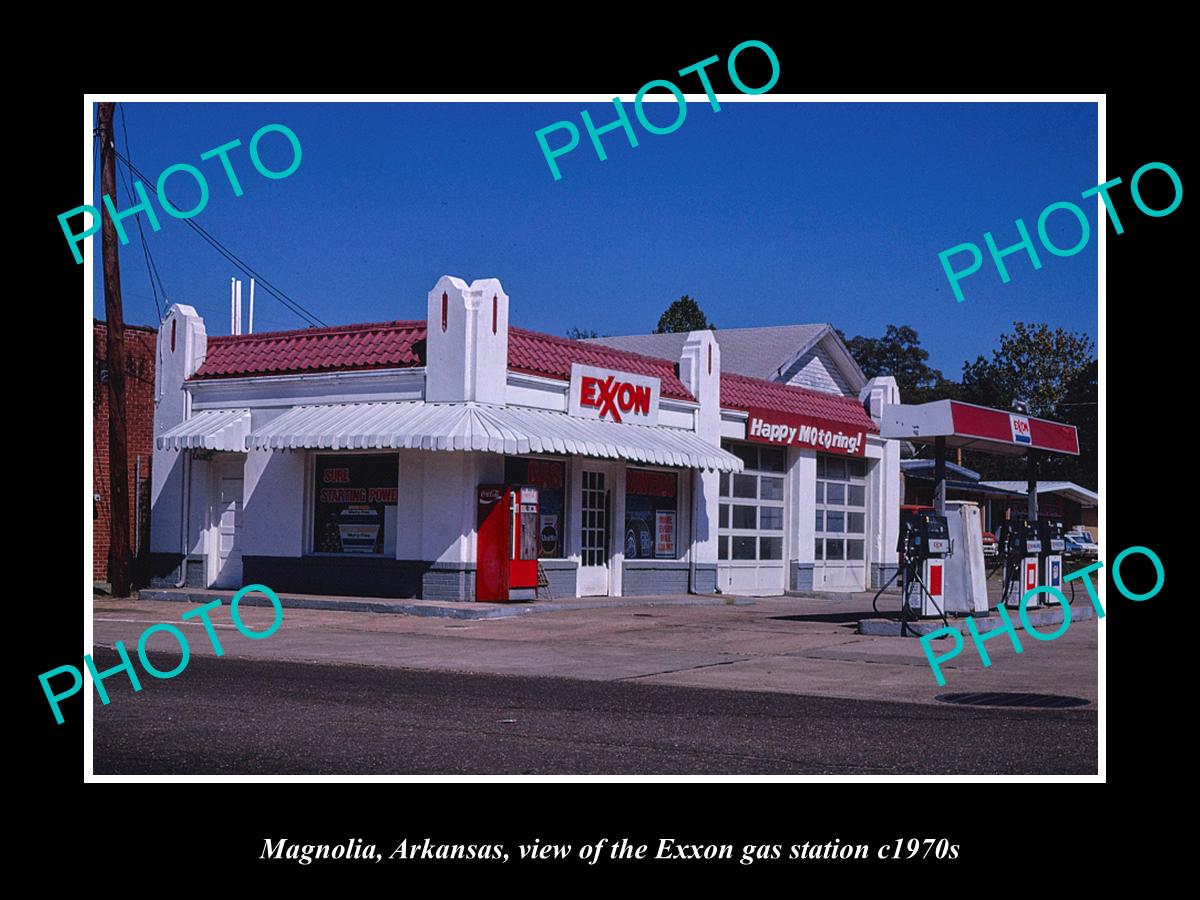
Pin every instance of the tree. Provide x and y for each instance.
(1055, 371)
(684, 314)
(899, 353)
(581, 334)
(1081, 409)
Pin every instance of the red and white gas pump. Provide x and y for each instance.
(506, 543)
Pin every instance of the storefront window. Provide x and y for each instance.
(549, 476)
(651, 514)
(355, 504)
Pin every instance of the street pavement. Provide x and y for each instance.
(237, 716)
(783, 685)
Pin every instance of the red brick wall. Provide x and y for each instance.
(139, 412)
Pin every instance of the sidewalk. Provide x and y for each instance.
(438, 608)
(795, 645)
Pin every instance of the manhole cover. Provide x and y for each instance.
(1000, 698)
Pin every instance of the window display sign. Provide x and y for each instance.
(651, 505)
(352, 499)
(664, 545)
(549, 477)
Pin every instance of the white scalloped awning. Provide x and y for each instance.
(474, 426)
(212, 429)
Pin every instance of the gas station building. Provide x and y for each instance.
(352, 460)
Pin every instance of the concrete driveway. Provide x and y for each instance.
(784, 644)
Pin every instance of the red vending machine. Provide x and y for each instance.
(507, 543)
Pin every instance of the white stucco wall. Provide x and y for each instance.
(175, 361)
(802, 497)
(274, 491)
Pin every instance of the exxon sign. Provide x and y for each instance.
(613, 396)
(1020, 429)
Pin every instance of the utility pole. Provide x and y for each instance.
(118, 456)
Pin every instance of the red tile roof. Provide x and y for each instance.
(380, 345)
(394, 345)
(383, 345)
(543, 354)
(743, 392)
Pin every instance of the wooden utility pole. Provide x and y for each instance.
(118, 455)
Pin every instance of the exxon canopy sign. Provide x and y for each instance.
(613, 396)
(765, 426)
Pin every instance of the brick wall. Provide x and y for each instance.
(139, 412)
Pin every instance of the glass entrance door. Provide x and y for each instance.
(593, 563)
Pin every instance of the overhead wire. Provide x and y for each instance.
(311, 318)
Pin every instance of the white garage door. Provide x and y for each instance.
(750, 529)
(841, 524)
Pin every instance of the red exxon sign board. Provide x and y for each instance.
(977, 427)
(613, 396)
(765, 426)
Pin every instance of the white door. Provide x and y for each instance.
(593, 561)
(227, 516)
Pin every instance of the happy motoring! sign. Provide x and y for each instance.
(613, 396)
(766, 426)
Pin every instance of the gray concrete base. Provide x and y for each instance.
(450, 609)
(1049, 616)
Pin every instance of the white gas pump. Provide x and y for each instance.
(1050, 532)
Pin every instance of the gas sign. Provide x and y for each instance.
(1020, 429)
(613, 396)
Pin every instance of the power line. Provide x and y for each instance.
(312, 319)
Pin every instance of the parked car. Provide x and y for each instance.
(990, 545)
(1079, 545)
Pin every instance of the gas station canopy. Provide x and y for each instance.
(976, 428)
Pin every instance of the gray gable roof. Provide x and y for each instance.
(758, 352)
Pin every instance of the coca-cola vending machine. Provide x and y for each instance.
(507, 543)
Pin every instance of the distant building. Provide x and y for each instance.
(1001, 500)
(139, 411)
(1075, 505)
(808, 356)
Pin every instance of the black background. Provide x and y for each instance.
(1015, 832)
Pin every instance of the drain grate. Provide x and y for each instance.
(1001, 698)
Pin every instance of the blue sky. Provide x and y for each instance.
(767, 213)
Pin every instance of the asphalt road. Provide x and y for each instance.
(236, 716)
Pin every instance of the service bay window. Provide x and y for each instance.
(750, 518)
(651, 514)
(840, 509)
(354, 504)
(549, 476)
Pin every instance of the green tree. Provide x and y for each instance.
(580, 334)
(1055, 371)
(899, 353)
(684, 314)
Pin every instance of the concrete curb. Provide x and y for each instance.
(446, 610)
(1037, 618)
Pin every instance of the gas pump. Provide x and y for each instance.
(923, 546)
(1050, 532)
(1021, 544)
(506, 543)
